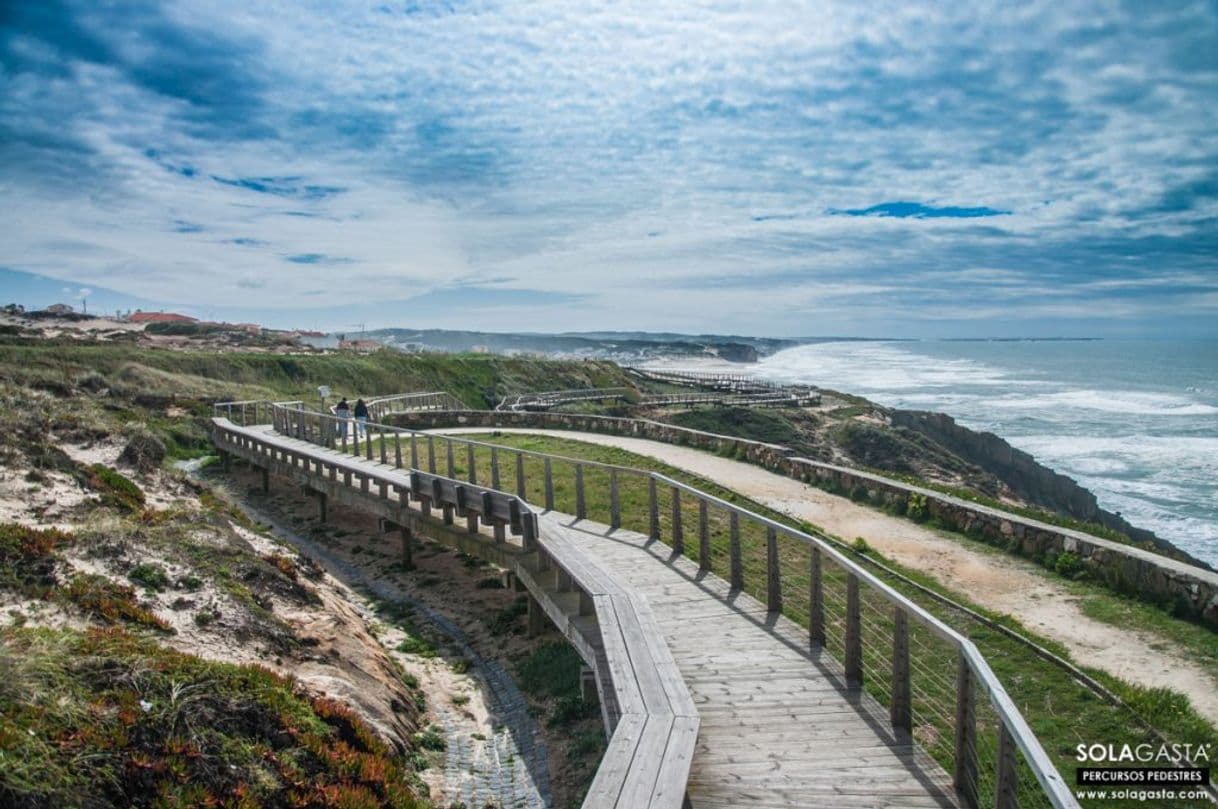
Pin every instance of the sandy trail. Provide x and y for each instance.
(999, 582)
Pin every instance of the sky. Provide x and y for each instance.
(768, 168)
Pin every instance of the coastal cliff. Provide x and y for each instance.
(1031, 481)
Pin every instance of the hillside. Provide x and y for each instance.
(150, 627)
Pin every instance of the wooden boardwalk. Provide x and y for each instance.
(776, 724)
(779, 727)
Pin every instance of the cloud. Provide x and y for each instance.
(765, 166)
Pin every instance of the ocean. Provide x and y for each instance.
(1136, 422)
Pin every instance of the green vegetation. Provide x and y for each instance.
(767, 426)
(507, 620)
(151, 575)
(115, 489)
(133, 372)
(27, 559)
(126, 722)
(551, 675)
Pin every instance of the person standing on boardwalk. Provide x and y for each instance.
(361, 417)
(343, 411)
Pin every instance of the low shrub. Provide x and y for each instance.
(116, 490)
(151, 575)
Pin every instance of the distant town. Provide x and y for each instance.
(173, 329)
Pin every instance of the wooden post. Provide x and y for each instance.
(520, 490)
(397, 449)
(431, 454)
(816, 603)
(470, 462)
(266, 480)
(773, 574)
(407, 556)
(368, 441)
(471, 521)
(737, 572)
(355, 438)
(449, 457)
(414, 451)
(321, 506)
(495, 468)
(549, 486)
(342, 425)
(580, 508)
(653, 508)
(500, 533)
(528, 537)
(1006, 787)
(704, 550)
(901, 710)
(678, 533)
(448, 513)
(384, 448)
(854, 633)
(537, 618)
(615, 504)
(965, 771)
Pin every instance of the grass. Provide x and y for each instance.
(766, 426)
(478, 380)
(121, 720)
(1062, 712)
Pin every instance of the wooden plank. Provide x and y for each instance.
(615, 765)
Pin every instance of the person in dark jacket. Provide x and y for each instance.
(361, 417)
(343, 411)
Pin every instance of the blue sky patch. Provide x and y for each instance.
(917, 210)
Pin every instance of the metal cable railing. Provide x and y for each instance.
(934, 682)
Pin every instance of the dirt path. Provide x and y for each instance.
(998, 582)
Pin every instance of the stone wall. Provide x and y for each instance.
(1187, 590)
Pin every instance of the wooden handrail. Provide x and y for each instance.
(653, 708)
(1013, 729)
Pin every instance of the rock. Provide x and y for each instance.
(1210, 614)
(144, 451)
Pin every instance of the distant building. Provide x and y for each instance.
(159, 317)
(362, 346)
(59, 309)
(481, 349)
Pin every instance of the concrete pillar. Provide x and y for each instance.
(266, 480)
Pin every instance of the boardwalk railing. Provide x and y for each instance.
(649, 714)
(935, 683)
(250, 411)
(544, 400)
(381, 406)
(768, 399)
(713, 380)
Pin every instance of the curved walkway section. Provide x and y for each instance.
(835, 713)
